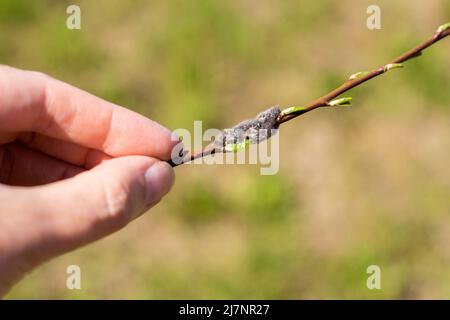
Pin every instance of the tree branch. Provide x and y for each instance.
(324, 101)
(329, 99)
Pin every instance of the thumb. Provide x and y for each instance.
(61, 216)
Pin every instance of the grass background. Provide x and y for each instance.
(367, 185)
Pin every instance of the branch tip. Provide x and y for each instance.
(443, 27)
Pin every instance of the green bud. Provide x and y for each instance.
(443, 28)
(341, 102)
(358, 75)
(391, 66)
(293, 109)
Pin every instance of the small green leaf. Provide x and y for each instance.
(293, 109)
(443, 28)
(341, 102)
(391, 66)
(358, 75)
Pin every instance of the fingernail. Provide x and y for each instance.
(159, 179)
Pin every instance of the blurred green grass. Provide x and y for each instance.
(364, 186)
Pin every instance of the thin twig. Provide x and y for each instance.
(327, 99)
(350, 84)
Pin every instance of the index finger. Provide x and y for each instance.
(31, 101)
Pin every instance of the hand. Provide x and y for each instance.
(73, 168)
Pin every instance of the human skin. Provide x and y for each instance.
(73, 169)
